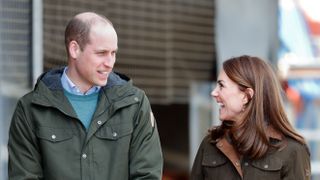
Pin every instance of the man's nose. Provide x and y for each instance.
(109, 61)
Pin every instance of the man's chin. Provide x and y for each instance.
(102, 83)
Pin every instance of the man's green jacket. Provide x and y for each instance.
(48, 141)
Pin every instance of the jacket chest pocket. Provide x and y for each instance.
(56, 145)
(215, 167)
(269, 168)
(54, 135)
(112, 142)
(114, 132)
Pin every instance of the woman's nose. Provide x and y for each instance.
(214, 92)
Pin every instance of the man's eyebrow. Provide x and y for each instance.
(105, 50)
(98, 49)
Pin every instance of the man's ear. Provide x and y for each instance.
(248, 95)
(74, 49)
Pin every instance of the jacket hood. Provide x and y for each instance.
(52, 81)
(48, 90)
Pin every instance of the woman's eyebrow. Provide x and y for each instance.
(220, 81)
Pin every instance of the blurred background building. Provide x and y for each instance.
(172, 49)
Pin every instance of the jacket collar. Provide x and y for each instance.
(229, 151)
(52, 79)
(49, 91)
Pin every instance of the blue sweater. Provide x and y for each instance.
(84, 106)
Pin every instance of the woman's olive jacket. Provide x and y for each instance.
(48, 141)
(217, 160)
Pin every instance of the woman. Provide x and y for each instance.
(255, 140)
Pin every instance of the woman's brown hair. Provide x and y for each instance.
(265, 108)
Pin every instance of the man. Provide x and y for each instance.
(85, 121)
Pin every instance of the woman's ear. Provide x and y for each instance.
(250, 92)
(248, 95)
(74, 49)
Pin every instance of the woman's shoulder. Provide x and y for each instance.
(207, 141)
(291, 150)
(208, 147)
(295, 146)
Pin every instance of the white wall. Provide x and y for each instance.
(246, 27)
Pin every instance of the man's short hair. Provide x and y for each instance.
(78, 29)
